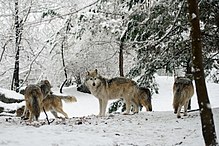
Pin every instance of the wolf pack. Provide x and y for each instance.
(39, 97)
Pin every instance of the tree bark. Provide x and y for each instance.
(63, 63)
(62, 53)
(208, 127)
(15, 79)
(121, 48)
(189, 75)
(121, 72)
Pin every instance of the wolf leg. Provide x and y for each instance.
(178, 111)
(54, 113)
(30, 117)
(24, 115)
(100, 106)
(175, 104)
(135, 104)
(60, 110)
(185, 108)
(128, 106)
(104, 105)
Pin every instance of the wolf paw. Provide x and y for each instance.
(178, 116)
(185, 114)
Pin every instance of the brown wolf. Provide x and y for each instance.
(107, 89)
(144, 98)
(33, 97)
(45, 88)
(53, 104)
(183, 91)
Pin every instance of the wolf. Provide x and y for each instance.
(53, 103)
(106, 89)
(144, 98)
(45, 87)
(33, 98)
(183, 91)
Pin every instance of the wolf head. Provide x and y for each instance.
(45, 87)
(93, 79)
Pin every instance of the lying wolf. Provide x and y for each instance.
(183, 91)
(115, 88)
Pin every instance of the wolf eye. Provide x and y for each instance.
(90, 78)
(95, 78)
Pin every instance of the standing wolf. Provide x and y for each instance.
(48, 101)
(53, 103)
(107, 89)
(45, 87)
(183, 91)
(33, 97)
(144, 98)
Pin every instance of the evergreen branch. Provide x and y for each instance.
(154, 43)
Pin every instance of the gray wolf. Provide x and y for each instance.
(33, 97)
(50, 102)
(183, 91)
(144, 98)
(53, 104)
(45, 87)
(106, 89)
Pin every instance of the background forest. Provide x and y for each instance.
(60, 40)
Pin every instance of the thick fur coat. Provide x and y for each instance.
(183, 91)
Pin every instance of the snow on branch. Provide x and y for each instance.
(167, 32)
(30, 66)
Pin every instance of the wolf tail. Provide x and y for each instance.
(69, 98)
(177, 96)
(178, 91)
(36, 105)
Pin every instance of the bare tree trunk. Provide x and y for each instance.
(63, 63)
(62, 53)
(207, 121)
(121, 72)
(15, 79)
(121, 48)
(190, 76)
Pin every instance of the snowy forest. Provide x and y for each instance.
(61, 40)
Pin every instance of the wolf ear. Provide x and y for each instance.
(95, 71)
(46, 81)
(88, 73)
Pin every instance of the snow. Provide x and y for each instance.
(193, 16)
(84, 128)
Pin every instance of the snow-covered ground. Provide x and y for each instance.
(157, 128)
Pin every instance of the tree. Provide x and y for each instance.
(208, 127)
(18, 32)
